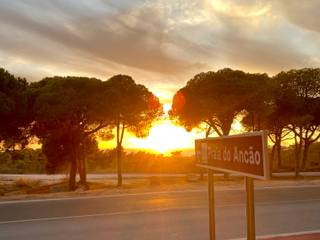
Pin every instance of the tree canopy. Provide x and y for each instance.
(285, 105)
(299, 103)
(67, 111)
(215, 99)
(134, 110)
(13, 109)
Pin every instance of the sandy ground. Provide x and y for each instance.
(26, 188)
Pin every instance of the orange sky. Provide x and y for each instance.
(160, 43)
(164, 137)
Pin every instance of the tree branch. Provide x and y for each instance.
(101, 125)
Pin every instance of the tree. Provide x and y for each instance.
(134, 110)
(212, 99)
(300, 104)
(263, 111)
(257, 101)
(67, 112)
(14, 117)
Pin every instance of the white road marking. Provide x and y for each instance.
(152, 193)
(281, 235)
(289, 186)
(102, 196)
(100, 214)
(149, 211)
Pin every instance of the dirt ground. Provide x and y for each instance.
(23, 188)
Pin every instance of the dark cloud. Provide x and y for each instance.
(135, 38)
(302, 13)
(158, 41)
(264, 48)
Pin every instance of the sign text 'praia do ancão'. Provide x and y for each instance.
(245, 154)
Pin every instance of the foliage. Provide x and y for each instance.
(300, 104)
(22, 161)
(13, 110)
(134, 110)
(214, 99)
(287, 105)
(98, 161)
(67, 112)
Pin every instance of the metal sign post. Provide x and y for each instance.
(251, 230)
(212, 229)
(244, 154)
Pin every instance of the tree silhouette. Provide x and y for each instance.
(263, 111)
(300, 105)
(134, 109)
(212, 99)
(67, 112)
(14, 117)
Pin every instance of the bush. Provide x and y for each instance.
(22, 161)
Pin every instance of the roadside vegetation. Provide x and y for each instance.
(287, 105)
(33, 161)
(66, 116)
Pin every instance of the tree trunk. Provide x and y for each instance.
(305, 154)
(119, 152)
(225, 131)
(272, 157)
(202, 170)
(73, 173)
(119, 165)
(297, 155)
(279, 155)
(82, 172)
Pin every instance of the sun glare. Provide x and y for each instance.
(236, 126)
(164, 138)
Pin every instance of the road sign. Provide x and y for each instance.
(245, 154)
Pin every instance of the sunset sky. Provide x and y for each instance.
(161, 43)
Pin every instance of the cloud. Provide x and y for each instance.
(257, 43)
(255, 36)
(134, 38)
(161, 43)
(302, 13)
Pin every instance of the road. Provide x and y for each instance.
(105, 176)
(160, 215)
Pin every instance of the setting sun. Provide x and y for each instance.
(164, 138)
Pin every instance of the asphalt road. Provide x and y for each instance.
(162, 215)
(104, 176)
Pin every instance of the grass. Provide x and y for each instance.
(26, 183)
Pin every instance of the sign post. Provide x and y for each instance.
(244, 154)
(251, 228)
(212, 229)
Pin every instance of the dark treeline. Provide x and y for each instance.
(67, 114)
(287, 105)
(99, 161)
(105, 161)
